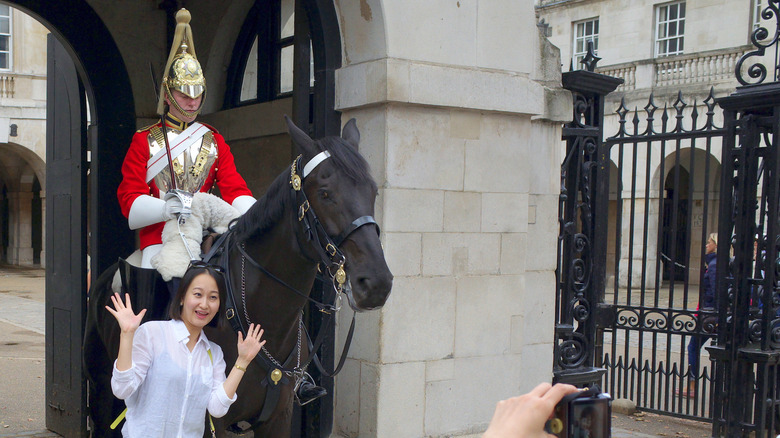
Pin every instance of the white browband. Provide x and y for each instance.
(311, 165)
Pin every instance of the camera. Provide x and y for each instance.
(584, 414)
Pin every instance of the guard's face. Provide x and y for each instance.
(187, 103)
(201, 302)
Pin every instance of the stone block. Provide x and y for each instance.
(462, 212)
(365, 339)
(504, 212)
(496, 162)
(365, 38)
(500, 21)
(420, 152)
(401, 400)
(542, 236)
(465, 404)
(413, 210)
(543, 154)
(461, 254)
(436, 85)
(436, 370)
(465, 124)
(478, 89)
(448, 29)
(347, 400)
(403, 252)
(514, 250)
(538, 308)
(485, 306)
(372, 123)
(369, 399)
(418, 323)
(536, 361)
(517, 334)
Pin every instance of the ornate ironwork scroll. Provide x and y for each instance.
(581, 248)
(747, 355)
(763, 41)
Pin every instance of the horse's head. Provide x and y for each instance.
(341, 192)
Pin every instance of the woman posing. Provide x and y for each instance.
(168, 372)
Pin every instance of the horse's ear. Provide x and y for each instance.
(302, 141)
(351, 134)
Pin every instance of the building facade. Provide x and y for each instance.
(462, 136)
(663, 51)
(22, 137)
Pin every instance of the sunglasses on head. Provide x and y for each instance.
(202, 264)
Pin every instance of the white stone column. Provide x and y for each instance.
(20, 250)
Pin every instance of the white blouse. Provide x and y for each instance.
(168, 388)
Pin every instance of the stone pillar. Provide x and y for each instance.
(20, 250)
(467, 155)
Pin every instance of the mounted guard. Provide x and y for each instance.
(169, 166)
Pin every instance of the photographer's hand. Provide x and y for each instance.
(524, 416)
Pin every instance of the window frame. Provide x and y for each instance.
(264, 25)
(679, 22)
(576, 56)
(756, 17)
(10, 36)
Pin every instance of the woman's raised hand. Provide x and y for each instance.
(249, 347)
(128, 321)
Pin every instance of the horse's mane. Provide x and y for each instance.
(269, 209)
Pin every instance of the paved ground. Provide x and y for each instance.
(22, 379)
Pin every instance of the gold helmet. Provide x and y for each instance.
(183, 71)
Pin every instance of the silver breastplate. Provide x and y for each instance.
(191, 167)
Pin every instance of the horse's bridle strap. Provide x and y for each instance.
(314, 162)
(357, 223)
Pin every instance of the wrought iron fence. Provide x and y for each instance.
(661, 208)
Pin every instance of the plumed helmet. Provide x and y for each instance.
(182, 71)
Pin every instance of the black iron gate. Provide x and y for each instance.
(655, 192)
(664, 204)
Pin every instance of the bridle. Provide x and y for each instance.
(331, 258)
(330, 265)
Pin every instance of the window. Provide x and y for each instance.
(267, 73)
(584, 31)
(670, 29)
(757, 14)
(5, 37)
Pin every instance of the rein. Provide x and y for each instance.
(331, 258)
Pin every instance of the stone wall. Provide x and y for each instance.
(462, 131)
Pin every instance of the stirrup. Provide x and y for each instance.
(306, 391)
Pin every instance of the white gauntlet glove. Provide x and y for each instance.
(173, 207)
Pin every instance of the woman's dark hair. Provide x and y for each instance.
(193, 271)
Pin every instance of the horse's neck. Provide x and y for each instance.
(277, 252)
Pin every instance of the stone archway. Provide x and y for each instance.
(83, 44)
(107, 86)
(22, 174)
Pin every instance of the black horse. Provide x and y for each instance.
(272, 255)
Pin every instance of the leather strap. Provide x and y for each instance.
(357, 223)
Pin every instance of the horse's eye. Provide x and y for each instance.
(324, 194)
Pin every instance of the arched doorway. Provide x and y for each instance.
(21, 171)
(84, 64)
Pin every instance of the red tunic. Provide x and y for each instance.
(231, 185)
